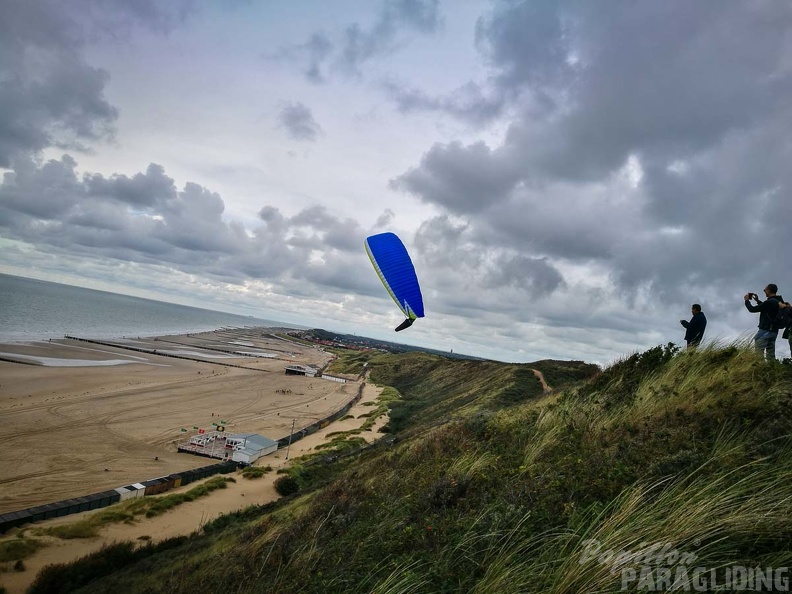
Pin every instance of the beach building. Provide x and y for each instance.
(131, 491)
(305, 370)
(244, 448)
(249, 447)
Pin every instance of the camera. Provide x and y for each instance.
(753, 296)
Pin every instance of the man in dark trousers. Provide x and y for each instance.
(766, 336)
(695, 327)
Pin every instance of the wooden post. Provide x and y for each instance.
(290, 438)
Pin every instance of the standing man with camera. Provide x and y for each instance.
(766, 336)
(695, 327)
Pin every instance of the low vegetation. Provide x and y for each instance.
(128, 511)
(18, 548)
(488, 485)
(62, 578)
(255, 472)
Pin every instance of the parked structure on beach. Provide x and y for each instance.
(305, 370)
(309, 371)
(249, 447)
(243, 448)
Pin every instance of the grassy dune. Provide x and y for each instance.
(491, 486)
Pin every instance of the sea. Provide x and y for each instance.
(33, 309)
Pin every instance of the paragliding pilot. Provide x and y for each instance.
(405, 324)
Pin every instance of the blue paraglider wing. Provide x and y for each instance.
(397, 273)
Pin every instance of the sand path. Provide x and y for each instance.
(546, 388)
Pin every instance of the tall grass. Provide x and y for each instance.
(734, 517)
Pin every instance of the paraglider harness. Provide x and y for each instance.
(405, 324)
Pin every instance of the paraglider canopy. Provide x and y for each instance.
(397, 273)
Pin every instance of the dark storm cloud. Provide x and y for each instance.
(470, 102)
(357, 44)
(49, 94)
(344, 235)
(299, 122)
(146, 219)
(529, 43)
(142, 190)
(535, 275)
(360, 45)
(527, 46)
(464, 179)
(452, 250)
(648, 138)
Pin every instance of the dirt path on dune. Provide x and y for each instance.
(546, 388)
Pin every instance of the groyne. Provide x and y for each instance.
(159, 353)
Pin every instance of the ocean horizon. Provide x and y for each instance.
(32, 309)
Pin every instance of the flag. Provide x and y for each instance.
(183, 430)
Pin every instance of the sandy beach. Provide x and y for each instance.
(74, 430)
(189, 517)
(82, 418)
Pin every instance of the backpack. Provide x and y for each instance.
(783, 319)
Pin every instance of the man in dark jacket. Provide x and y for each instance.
(695, 327)
(766, 336)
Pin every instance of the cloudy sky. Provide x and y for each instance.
(568, 176)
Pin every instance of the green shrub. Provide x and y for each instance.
(286, 485)
(619, 383)
(62, 578)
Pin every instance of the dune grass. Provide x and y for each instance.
(255, 472)
(17, 548)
